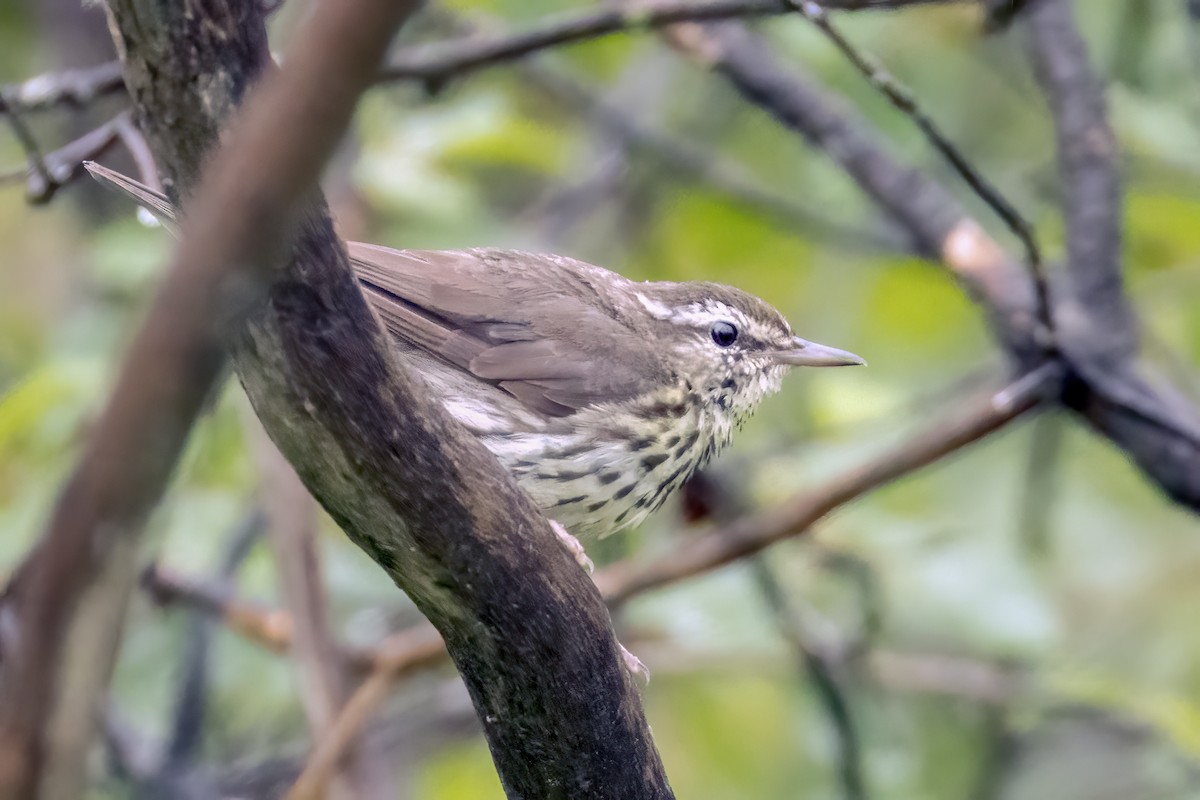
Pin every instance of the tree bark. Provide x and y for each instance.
(423, 498)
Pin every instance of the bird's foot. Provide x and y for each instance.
(632, 663)
(572, 544)
(635, 666)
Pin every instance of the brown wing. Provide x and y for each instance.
(543, 328)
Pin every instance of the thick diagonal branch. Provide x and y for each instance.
(420, 495)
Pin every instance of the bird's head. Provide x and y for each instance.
(732, 347)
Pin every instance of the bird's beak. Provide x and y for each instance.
(803, 353)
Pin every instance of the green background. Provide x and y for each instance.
(1093, 603)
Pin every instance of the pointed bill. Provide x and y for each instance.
(804, 353)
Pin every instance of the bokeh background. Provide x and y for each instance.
(1022, 616)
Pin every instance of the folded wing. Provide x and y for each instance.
(545, 329)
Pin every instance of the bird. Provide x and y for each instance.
(601, 395)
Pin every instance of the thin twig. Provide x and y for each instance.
(40, 179)
(935, 221)
(825, 683)
(139, 149)
(904, 100)
(187, 723)
(795, 516)
(319, 662)
(66, 163)
(403, 653)
(270, 628)
(684, 159)
(434, 64)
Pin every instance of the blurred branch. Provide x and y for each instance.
(683, 159)
(419, 648)
(1089, 168)
(999, 14)
(1041, 483)
(170, 769)
(37, 170)
(187, 726)
(67, 599)
(1147, 419)
(820, 674)
(320, 666)
(69, 87)
(605, 156)
(796, 515)
(680, 157)
(58, 168)
(269, 628)
(938, 225)
(903, 100)
(434, 64)
(337, 739)
(1151, 421)
(707, 497)
(74, 88)
(865, 582)
(997, 757)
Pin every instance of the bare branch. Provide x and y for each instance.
(686, 160)
(60, 167)
(71, 87)
(940, 228)
(340, 735)
(820, 673)
(319, 660)
(435, 64)
(903, 99)
(1088, 164)
(795, 516)
(269, 628)
(1145, 417)
(39, 173)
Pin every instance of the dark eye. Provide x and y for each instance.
(723, 333)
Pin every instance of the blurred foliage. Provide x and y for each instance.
(1100, 620)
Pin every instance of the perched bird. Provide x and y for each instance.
(600, 394)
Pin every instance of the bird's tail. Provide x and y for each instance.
(154, 202)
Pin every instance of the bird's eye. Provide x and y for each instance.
(723, 333)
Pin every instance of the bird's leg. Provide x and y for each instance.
(572, 544)
(632, 663)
